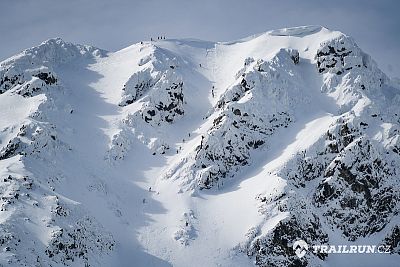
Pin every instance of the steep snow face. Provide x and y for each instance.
(193, 153)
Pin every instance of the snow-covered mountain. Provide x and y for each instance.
(194, 153)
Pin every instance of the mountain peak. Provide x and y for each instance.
(54, 50)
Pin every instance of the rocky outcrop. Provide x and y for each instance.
(33, 139)
(228, 145)
(244, 123)
(275, 248)
(168, 106)
(158, 88)
(339, 55)
(354, 186)
(160, 85)
(357, 194)
(76, 242)
(392, 240)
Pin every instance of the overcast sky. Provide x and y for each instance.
(112, 25)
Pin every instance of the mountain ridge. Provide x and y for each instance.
(188, 152)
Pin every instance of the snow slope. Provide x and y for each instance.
(184, 152)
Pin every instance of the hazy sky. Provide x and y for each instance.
(115, 24)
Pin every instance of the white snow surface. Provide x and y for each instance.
(135, 179)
